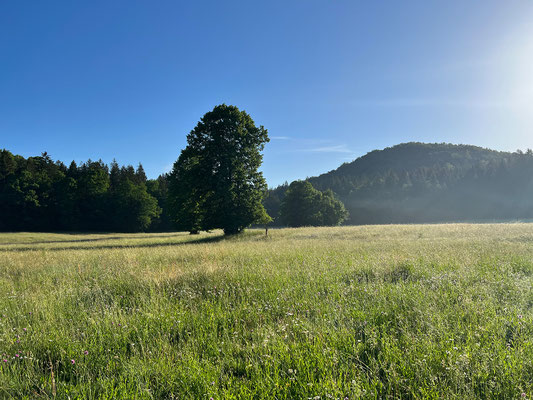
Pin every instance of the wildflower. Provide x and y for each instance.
(523, 395)
(520, 317)
(17, 355)
(24, 329)
(86, 352)
(73, 361)
(5, 360)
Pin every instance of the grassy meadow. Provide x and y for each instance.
(406, 311)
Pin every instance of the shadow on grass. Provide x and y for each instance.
(92, 240)
(212, 239)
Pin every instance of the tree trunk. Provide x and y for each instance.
(231, 231)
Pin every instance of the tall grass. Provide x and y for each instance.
(432, 311)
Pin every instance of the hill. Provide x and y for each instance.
(421, 182)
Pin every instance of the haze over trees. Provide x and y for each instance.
(215, 183)
(419, 182)
(303, 205)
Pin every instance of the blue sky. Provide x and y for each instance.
(330, 80)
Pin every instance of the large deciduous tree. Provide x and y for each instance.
(215, 183)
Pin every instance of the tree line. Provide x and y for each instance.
(214, 184)
(38, 194)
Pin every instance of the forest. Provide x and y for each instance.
(423, 183)
(38, 194)
(407, 183)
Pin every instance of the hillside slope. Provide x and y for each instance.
(420, 182)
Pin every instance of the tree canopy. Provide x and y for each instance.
(215, 183)
(38, 194)
(303, 205)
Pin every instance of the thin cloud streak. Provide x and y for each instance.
(341, 148)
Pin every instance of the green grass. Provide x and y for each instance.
(432, 311)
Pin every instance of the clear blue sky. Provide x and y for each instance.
(330, 80)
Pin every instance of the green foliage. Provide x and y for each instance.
(132, 206)
(272, 202)
(303, 205)
(37, 194)
(368, 312)
(419, 183)
(215, 183)
(158, 188)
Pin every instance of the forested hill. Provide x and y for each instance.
(419, 182)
